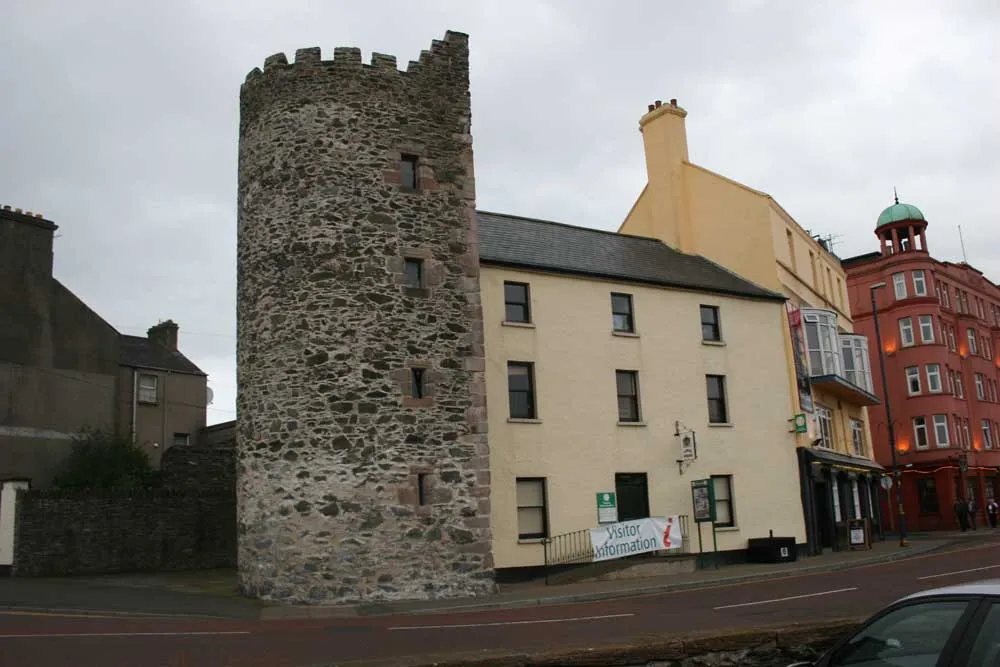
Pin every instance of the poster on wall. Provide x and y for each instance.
(798, 352)
(627, 538)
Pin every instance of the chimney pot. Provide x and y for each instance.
(17, 210)
(651, 107)
(673, 102)
(658, 103)
(6, 207)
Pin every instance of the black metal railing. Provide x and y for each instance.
(574, 548)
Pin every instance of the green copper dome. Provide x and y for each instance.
(898, 212)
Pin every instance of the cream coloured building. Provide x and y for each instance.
(600, 347)
(828, 369)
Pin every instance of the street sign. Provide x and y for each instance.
(886, 482)
(607, 507)
(703, 499)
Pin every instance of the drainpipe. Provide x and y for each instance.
(163, 417)
(135, 399)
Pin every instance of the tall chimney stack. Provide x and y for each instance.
(164, 333)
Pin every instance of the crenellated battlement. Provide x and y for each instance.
(349, 56)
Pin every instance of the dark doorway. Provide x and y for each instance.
(633, 495)
(824, 514)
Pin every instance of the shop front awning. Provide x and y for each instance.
(838, 386)
(840, 461)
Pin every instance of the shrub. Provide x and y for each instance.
(105, 460)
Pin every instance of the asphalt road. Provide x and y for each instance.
(50, 640)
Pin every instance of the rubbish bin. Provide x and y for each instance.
(771, 550)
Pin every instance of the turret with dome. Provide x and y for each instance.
(900, 228)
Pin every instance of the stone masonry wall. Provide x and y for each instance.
(78, 533)
(349, 486)
(203, 470)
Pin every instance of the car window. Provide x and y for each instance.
(910, 636)
(986, 650)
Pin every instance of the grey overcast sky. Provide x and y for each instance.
(119, 123)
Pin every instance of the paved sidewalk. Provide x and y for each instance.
(214, 593)
(536, 593)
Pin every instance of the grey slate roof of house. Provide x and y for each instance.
(514, 241)
(144, 353)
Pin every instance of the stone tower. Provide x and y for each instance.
(363, 458)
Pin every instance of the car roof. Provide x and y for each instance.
(983, 587)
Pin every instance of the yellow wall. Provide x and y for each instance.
(746, 231)
(577, 443)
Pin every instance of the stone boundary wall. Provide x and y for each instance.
(771, 647)
(60, 533)
(204, 471)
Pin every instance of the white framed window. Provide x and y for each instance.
(980, 387)
(919, 283)
(970, 335)
(906, 331)
(926, 329)
(951, 380)
(959, 386)
(858, 437)
(855, 359)
(947, 296)
(149, 386)
(920, 433)
(951, 340)
(934, 378)
(899, 285)
(913, 380)
(824, 417)
(822, 341)
(182, 439)
(987, 435)
(941, 431)
(966, 439)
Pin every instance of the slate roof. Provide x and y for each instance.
(144, 353)
(514, 241)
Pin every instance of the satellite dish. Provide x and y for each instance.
(210, 395)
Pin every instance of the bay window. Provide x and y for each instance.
(854, 356)
(822, 341)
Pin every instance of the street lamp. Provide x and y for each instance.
(888, 419)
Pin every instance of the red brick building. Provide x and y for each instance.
(940, 325)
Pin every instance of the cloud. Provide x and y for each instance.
(120, 123)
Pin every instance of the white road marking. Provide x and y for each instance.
(793, 597)
(125, 634)
(948, 574)
(486, 625)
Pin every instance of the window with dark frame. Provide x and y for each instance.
(724, 516)
(927, 495)
(718, 411)
(521, 389)
(417, 382)
(710, 329)
(423, 488)
(181, 439)
(414, 269)
(408, 172)
(516, 302)
(622, 320)
(628, 395)
(532, 519)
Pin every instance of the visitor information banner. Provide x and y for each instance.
(625, 538)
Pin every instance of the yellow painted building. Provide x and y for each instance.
(604, 351)
(701, 212)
